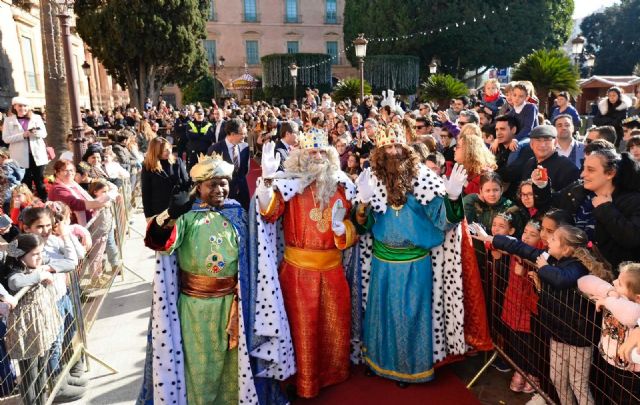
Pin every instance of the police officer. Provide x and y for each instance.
(199, 137)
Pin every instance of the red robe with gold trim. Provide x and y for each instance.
(314, 288)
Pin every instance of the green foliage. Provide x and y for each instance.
(277, 81)
(349, 88)
(396, 72)
(610, 35)
(498, 40)
(201, 91)
(549, 71)
(144, 44)
(442, 88)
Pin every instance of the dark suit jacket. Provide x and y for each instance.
(281, 149)
(239, 188)
(218, 137)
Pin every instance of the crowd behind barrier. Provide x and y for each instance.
(591, 371)
(36, 362)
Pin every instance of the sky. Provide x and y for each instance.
(585, 7)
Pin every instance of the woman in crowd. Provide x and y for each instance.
(471, 153)
(161, 174)
(612, 110)
(65, 189)
(25, 132)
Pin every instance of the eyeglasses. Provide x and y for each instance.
(420, 126)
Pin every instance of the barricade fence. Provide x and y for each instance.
(552, 337)
(44, 336)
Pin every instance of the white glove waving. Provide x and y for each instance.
(337, 216)
(456, 181)
(364, 184)
(270, 161)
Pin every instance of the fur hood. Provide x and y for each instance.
(603, 105)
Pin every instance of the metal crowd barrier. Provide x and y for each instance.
(572, 318)
(32, 368)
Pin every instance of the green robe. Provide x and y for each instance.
(207, 245)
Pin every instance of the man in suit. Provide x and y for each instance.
(235, 151)
(218, 123)
(288, 139)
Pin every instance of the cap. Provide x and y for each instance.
(543, 131)
(199, 111)
(20, 100)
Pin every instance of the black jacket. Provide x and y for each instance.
(158, 187)
(561, 170)
(565, 314)
(281, 149)
(617, 227)
(238, 188)
(510, 164)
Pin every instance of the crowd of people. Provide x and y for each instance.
(379, 207)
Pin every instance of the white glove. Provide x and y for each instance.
(364, 184)
(9, 299)
(478, 230)
(455, 183)
(264, 193)
(270, 161)
(337, 216)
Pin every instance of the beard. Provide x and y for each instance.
(396, 173)
(324, 175)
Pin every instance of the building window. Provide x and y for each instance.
(212, 10)
(210, 50)
(253, 56)
(292, 47)
(29, 64)
(332, 50)
(331, 12)
(250, 11)
(291, 11)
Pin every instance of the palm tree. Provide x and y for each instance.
(549, 71)
(349, 88)
(55, 81)
(442, 89)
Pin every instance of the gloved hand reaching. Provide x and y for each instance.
(364, 184)
(180, 203)
(270, 161)
(456, 181)
(337, 216)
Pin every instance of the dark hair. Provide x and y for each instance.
(598, 144)
(559, 216)
(608, 133)
(577, 239)
(565, 95)
(437, 158)
(490, 177)
(510, 120)
(234, 125)
(421, 150)
(26, 242)
(567, 116)
(528, 182)
(33, 214)
(633, 141)
(489, 129)
(464, 99)
(97, 185)
(61, 164)
(633, 124)
(427, 122)
(285, 127)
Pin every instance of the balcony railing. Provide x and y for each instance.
(293, 19)
(332, 18)
(251, 17)
(213, 16)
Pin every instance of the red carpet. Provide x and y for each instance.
(252, 176)
(360, 389)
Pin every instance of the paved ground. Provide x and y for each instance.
(118, 337)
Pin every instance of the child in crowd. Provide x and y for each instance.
(97, 189)
(622, 300)
(485, 205)
(559, 268)
(34, 324)
(519, 306)
(112, 167)
(21, 198)
(62, 214)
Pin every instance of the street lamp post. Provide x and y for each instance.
(72, 79)
(360, 45)
(219, 65)
(293, 69)
(591, 61)
(86, 68)
(433, 66)
(577, 46)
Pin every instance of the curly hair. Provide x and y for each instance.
(577, 239)
(477, 157)
(396, 172)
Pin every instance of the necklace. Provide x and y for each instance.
(397, 208)
(319, 216)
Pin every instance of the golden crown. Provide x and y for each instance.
(391, 135)
(314, 138)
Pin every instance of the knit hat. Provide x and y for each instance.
(20, 100)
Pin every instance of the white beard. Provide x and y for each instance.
(326, 180)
